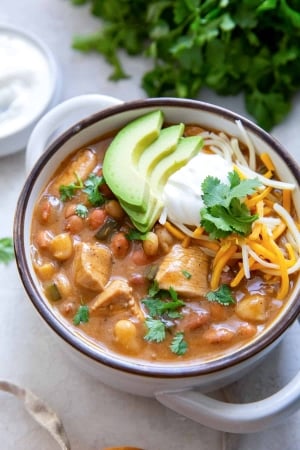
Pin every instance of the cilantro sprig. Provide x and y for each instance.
(6, 250)
(90, 186)
(163, 307)
(156, 330)
(68, 191)
(160, 302)
(222, 295)
(225, 211)
(178, 344)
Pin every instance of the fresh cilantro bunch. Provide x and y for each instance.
(231, 47)
(6, 250)
(163, 307)
(224, 212)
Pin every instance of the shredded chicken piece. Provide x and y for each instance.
(185, 270)
(92, 266)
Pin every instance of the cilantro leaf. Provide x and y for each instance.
(82, 315)
(158, 304)
(156, 330)
(154, 289)
(173, 294)
(157, 307)
(224, 211)
(243, 188)
(222, 295)
(81, 211)
(67, 192)
(91, 187)
(179, 345)
(161, 310)
(6, 250)
(214, 192)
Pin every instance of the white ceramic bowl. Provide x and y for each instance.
(16, 85)
(180, 386)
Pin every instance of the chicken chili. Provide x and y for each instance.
(198, 265)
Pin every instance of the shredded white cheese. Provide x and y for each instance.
(252, 155)
(266, 181)
(286, 217)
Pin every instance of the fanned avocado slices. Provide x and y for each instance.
(139, 161)
(122, 156)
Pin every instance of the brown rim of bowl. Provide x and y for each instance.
(113, 360)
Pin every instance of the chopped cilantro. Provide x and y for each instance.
(173, 294)
(158, 304)
(81, 211)
(222, 295)
(156, 330)
(186, 274)
(154, 289)
(68, 191)
(6, 250)
(157, 307)
(179, 345)
(91, 188)
(224, 212)
(163, 307)
(82, 315)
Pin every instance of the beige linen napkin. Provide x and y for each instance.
(40, 412)
(44, 415)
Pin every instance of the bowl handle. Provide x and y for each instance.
(61, 117)
(233, 417)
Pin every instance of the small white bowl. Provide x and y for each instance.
(14, 132)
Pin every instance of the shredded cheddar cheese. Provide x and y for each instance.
(258, 197)
(223, 260)
(266, 159)
(174, 231)
(273, 246)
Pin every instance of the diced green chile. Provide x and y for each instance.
(52, 292)
(109, 226)
(151, 271)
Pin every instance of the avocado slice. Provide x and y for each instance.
(145, 221)
(186, 149)
(164, 145)
(122, 156)
(153, 218)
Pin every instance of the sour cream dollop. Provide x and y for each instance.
(182, 193)
(25, 81)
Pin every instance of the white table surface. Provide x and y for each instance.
(95, 415)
